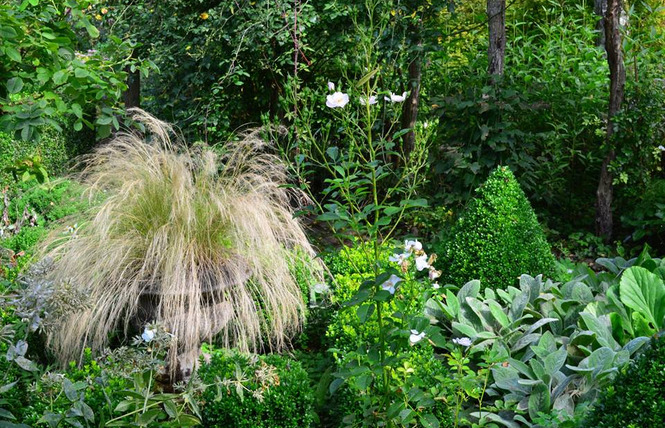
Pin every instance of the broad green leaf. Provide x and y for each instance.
(644, 292)
(81, 72)
(59, 77)
(14, 85)
(555, 361)
(364, 312)
(77, 110)
(464, 330)
(7, 32)
(149, 416)
(452, 304)
(13, 54)
(188, 421)
(601, 326)
(539, 401)
(428, 420)
(497, 312)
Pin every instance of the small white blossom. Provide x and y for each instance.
(371, 100)
(413, 245)
(661, 148)
(148, 334)
(436, 286)
(337, 100)
(421, 262)
(321, 288)
(396, 98)
(391, 283)
(434, 274)
(331, 86)
(416, 337)
(399, 258)
(462, 341)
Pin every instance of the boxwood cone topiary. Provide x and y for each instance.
(497, 238)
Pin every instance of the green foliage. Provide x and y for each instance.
(555, 346)
(46, 77)
(51, 147)
(497, 237)
(249, 391)
(416, 374)
(33, 209)
(647, 217)
(635, 398)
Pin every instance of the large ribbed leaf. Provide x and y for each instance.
(644, 292)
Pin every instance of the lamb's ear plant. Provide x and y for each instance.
(558, 344)
(197, 241)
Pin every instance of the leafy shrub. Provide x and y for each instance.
(52, 147)
(497, 238)
(635, 398)
(249, 391)
(350, 267)
(351, 334)
(647, 218)
(33, 209)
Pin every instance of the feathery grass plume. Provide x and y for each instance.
(201, 242)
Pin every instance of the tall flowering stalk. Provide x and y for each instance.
(371, 182)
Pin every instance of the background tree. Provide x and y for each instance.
(604, 222)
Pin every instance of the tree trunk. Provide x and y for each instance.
(617, 82)
(496, 15)
(410, 112)
(132, 96)
(600, 8)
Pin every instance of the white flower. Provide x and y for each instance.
(338, 99)
(391, 283)
(421, 262)
(434, 274)
(413, 245)
(148, 334)
(399, 258)
(371, 100)
(396, 98)
(661, 148)
(321, 288)
(462, 341)
(416, 337)
(331, 86)
(436, 286)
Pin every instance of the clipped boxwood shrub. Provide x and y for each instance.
(497, 238)
(249, 391)
(635, 399)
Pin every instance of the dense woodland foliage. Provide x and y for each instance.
(332, 213)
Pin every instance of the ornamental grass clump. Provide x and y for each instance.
(199, 242)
